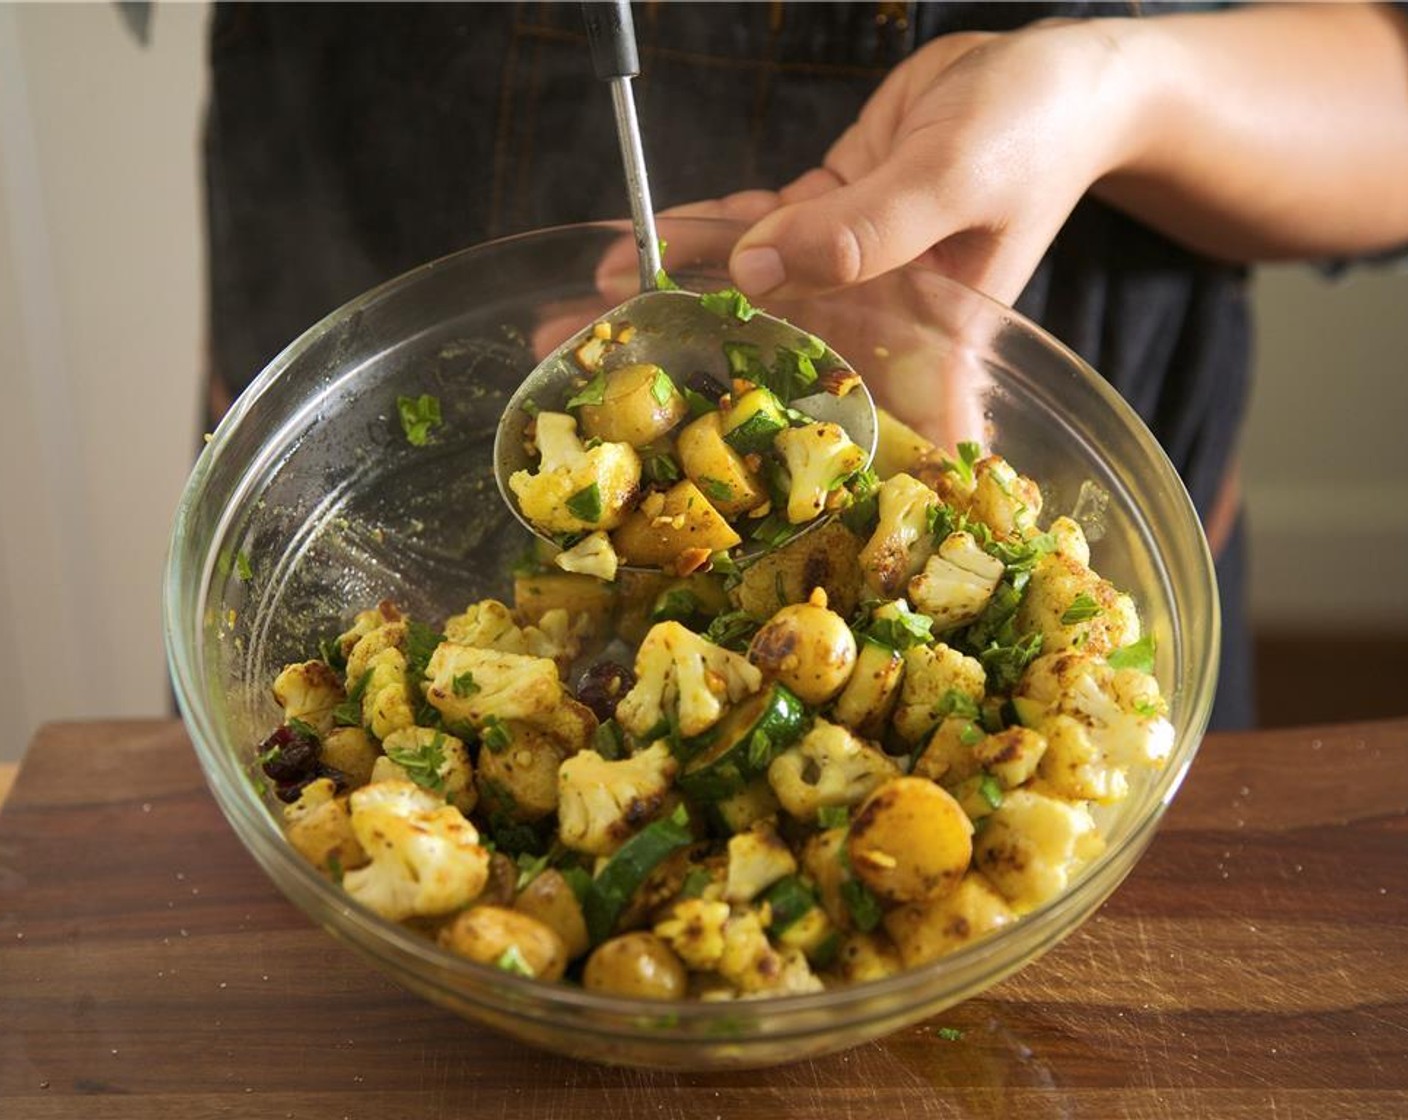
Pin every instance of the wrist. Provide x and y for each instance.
(1133, 65)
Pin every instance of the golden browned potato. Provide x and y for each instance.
(827, 557)
(808, 648)
(552, 901)
(717, 469)
(519, 778)
(822, 862)
(867, 956)
(638, 965)
(910, 841)
(537, 593)
(925, 931)
(676, 530)
(898, 447)
(350, 750)
(507, 939)
(641, 404)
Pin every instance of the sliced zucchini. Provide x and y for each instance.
(754, 421)
(790, 899)
(869, 696)
(612, 889)
(745, 741)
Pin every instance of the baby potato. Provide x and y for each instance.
(550, 899)
(664, 528)
(351, 751)
(910, 841)
(717, 469)
(520, 780)
(638, 965)
(640, 405)
(808, 648)
(513, 941)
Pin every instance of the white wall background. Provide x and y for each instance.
(100, 359)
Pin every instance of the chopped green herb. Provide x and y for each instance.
(792, 374)
(760, 750)
(662, 388)
(660, 468)
(942, 521)
(775, 531)
(1082, 609)
(949, 1034)
(463, 685)
(663, 281)
(733, 630)
(901, 630)
(971, 735)
(956, 703)
(676, 604)
(530, 406)
(593, 392)
(422, 763)
(694, 882)
(330, 653)
(728, 302)
(968, 454)
(585, 504)
(243, 571)
(529, 868)
(494, 735)
(860, 517)
(698, 403)
(1147, 708)
(349, 712)
(608, 740)
(1004, 664)
(304, 730)
(745, 360)
(512, 960)
(1137, 655)
(863, 906)
(833, 816)
(991, 791)
(716, 490)
(335, 867)
(419, 417)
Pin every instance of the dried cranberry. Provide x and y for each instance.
(288, 756)
(339, 780)
(289, 791)
(601, 687)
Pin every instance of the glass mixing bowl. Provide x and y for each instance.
(309, 503)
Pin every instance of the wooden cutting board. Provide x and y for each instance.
(1254, 965)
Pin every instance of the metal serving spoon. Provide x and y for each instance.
(671, 328)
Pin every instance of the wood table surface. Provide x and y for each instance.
(1254, 965)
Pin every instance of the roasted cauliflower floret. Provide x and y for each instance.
(591, 556)
(1073, 608)
(827, 557)
(902, 540)
(425, 857)
(364, 622)
(386, 697)
(694, 929)
(601, 804)
(481, 686)
(819, 457)
(956, 582)
(389, 635)
(319, 828)
(830, 766)
(1006, 502)
(930, 673)
(489, 624)
(948, 757)
(1011, 756)
(1032, 845)
(757, 859)
(576, 488)
(517, 776)
(682, 675)
(748, 961)
(309, 691)
(1070, 540)
(433, 760)
(1098, 722)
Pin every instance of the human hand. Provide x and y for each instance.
(968, 158)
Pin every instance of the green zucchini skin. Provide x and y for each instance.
(612, 889)
(753, 423)
(743, 744)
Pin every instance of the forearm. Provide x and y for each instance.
(1267, 132)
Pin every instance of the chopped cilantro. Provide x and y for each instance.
(792, 374)
(902, 630)
(512, 960)
(694, 882)
(494, 735)
(243, 571)
(662, 388)
(1004, 664)
(1148, 708)
(530, 406)
(593, 392)
(745, 360)
(698, 403)
(863, 906)
(463, 685)
(991, 792)
(1137, 655)
(728, 302)
(833, 816)
(968, 454)
(716, 490)
(660, 468)
(529, 868)
(949, 1034)
(304, 730)
(1082, 609)
(419, 416)
(663, 281)
(676, 604)
(422, 763)
(733, 630)
(608, 740)
(861, 515)
(585, 504)
(956, 703)
(349, 712)
(971, 735)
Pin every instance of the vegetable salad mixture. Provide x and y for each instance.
(640, 470)
(874, 745)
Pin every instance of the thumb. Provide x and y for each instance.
(847, 235)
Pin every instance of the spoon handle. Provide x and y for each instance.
(612, 36)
